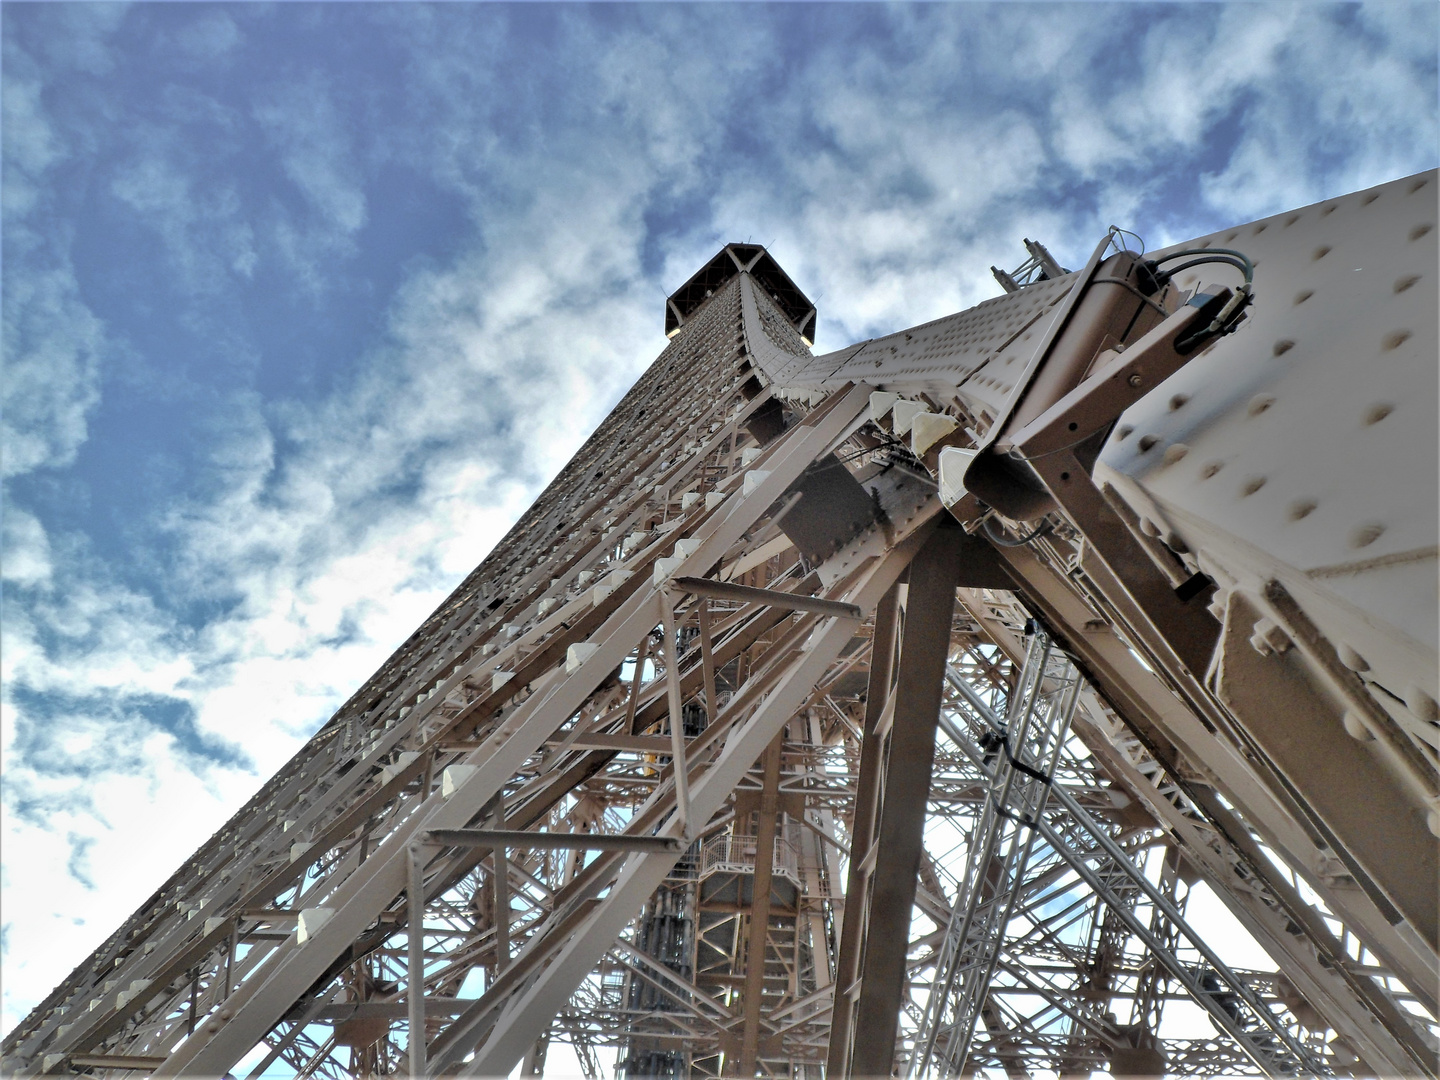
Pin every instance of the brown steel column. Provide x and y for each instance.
(755, 952)
(862, 832)
(924, 648)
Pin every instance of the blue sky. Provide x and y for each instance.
(304, 303)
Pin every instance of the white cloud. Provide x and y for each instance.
(26, 549)
(314, 146)
(203, 228)
(30, 144)
(52, 346)
(212, 36)
(50, 339)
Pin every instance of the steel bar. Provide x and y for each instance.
(707, 661)
(115, 1061)
(924, 648)
(756, 952)
(680, 769)
(724, 590)
(862, 833)
(415, 963)
(500, 839)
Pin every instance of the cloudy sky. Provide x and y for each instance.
(303, 305)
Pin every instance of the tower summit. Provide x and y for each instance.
(763, 270)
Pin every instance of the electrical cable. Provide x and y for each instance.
(1248, 267)
(1226, 259)
(1229, 316)
(995, 538)
(1016, 763)
(1115, 231)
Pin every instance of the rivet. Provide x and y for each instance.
(1351, 659)
(1419, 231)
(1355, 727)
(1300, 508)
(1174, 453)
(1320, 252)
(1178, 401)
(1259, 403)
(1147, 442)
(1134, 379)
(1148, 527)
(1304, 295)
(1254, 484)
(1176, 543)
(1395, 339)
(1366, 534)
(1281, 347)
(1376, 413)
(1421, 704)
(1401, 284)
(1211, 469)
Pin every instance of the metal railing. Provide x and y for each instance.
(736, 854)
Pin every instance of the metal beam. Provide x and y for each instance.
(549, 841)
(756, 946)
(529, 1012)
(924, 648)
(724, 590)
(862, 834)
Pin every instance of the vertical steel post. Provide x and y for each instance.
(862, 829)
(707, 660)
(415, 973)
(500, 885)
(924, 649)
(760, 908)
(678, 763)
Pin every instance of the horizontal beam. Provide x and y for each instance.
(724, 590)
(519, 838)
(639, 744)
(115, 1061)
(392, 1010)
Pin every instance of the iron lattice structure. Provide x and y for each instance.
(869, 713)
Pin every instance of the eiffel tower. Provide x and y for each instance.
(882, 712)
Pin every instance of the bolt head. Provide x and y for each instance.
(1134, 379)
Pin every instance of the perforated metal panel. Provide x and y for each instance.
(978, 353)
(1304, 445)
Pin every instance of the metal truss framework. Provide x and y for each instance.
(740, 756)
